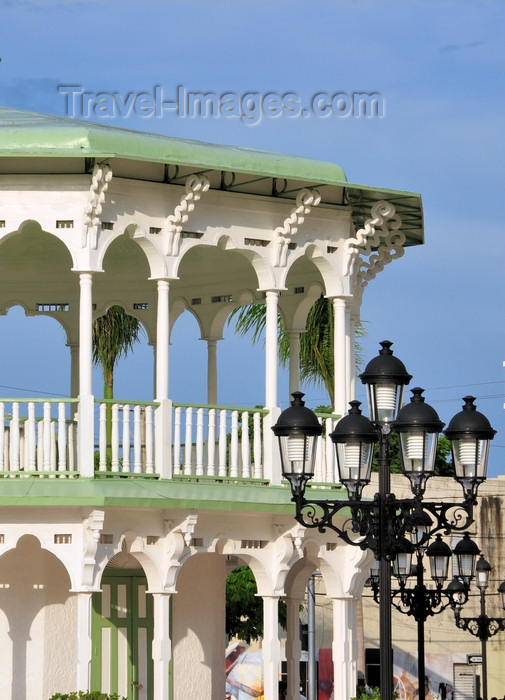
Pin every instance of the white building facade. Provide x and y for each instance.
(114, 552)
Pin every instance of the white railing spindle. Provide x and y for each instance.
(31, 439)
(246, 446)
(234, 445)
(126, 438)
(177, 440)
(137, 440)
(102, 438)
(47, 437)
(211, 443)
(14, 438)
(52, 445)
(199, 442)
(222, 442)
(188, 446)
(71, 446)
(114, 438)
(149, 441)
(257, 451)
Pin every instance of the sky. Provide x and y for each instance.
(437, 68)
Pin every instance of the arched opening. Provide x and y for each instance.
(33, 347)
(244, 628)
(33, 344)
(35, 605)
(188, 361)
(198, 628)
(123, 361)
(122, 627)
(125, 282)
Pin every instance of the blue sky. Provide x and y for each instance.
(439, 68)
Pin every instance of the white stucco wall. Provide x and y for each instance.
(199, 629)
(37, 660)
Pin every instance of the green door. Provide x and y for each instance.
(122, 635)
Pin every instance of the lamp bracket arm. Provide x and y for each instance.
(447, 517)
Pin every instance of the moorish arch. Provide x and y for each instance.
(126, 279)
(34, 581)
(50, 286)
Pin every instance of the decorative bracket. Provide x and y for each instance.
(178, 538)
(380, 240)
(195, 186)
(482, 626)
(93, 529)
(305, 201)
(186, 528)
(102, 175)
(420, 601)
(298, 534)
(384, 523)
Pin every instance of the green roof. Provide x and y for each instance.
(31, 134)
(148, 493)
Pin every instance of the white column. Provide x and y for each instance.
(271, 459)
(83, 639)
(162, 645)
(212, 371)
(272, 300)
(353, 322)
(74, 369)
(163, 413)
(294, 361)
(344, 648)
(85, 333)
(86, 402)
(271, 647)
(339, 356)
(293, 647)
(349, 355)
(162, 341)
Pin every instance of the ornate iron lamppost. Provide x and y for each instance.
(482, 627)
(419, 600)
(384, 523)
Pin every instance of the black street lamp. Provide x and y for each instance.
(482, 627)
(419, 600)
(384, 523)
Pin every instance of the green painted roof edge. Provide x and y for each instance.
(55, 136)
(148, 493)
(32, 134)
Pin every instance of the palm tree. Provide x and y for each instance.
(316, 344)
(114, 335)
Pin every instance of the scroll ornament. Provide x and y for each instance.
(305, 201)
(102, 175)
(380, 240)
(195, 186)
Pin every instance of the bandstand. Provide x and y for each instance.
(113, 557)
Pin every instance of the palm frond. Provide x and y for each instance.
(114, 335)
(316, 344)
(249, 318)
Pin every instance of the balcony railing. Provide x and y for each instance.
(198, 442)
(218, 441)
(39, 437)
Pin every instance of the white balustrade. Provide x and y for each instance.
(125, 438)
(208, 442)
(230, 436)
(37, 438)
